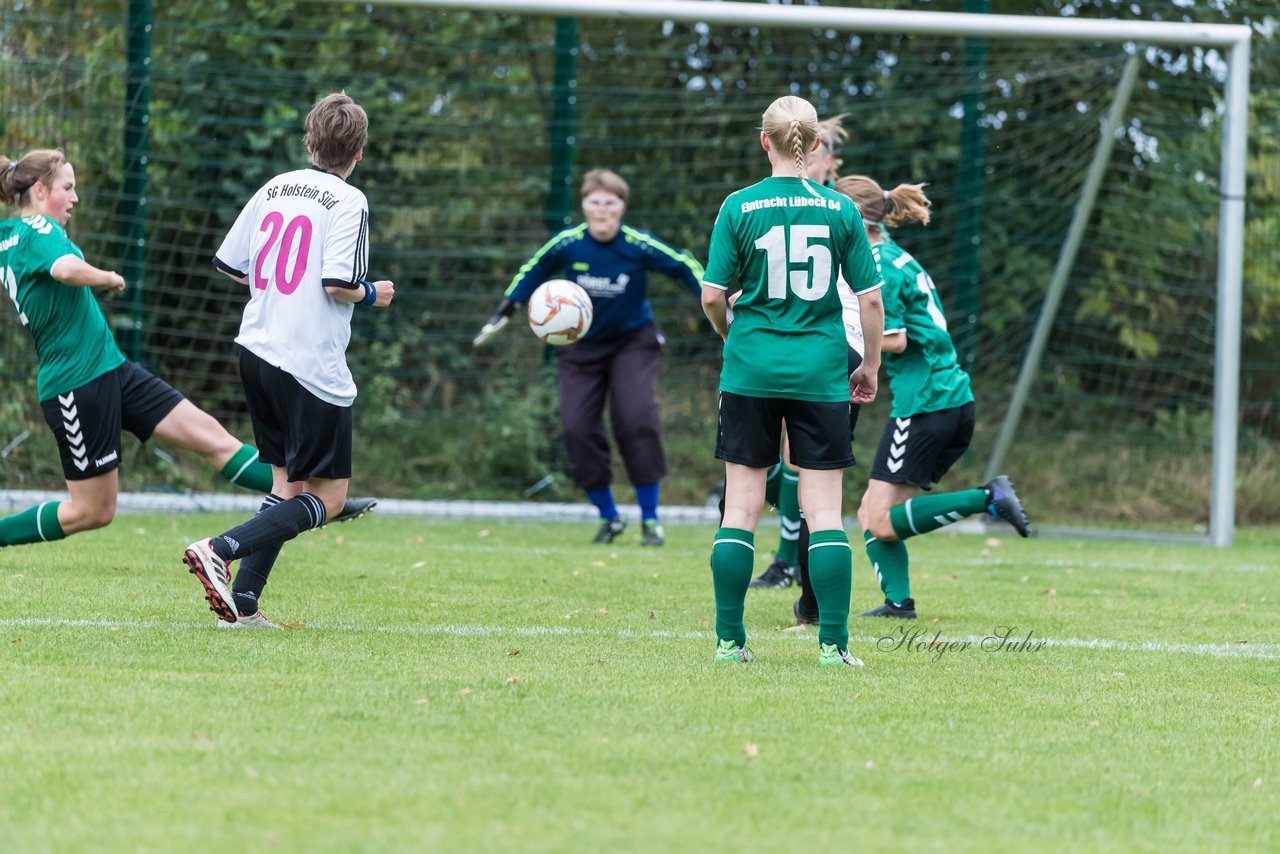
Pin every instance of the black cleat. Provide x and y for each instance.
(651, 533)
(1003, 503)
(904, 611)
(609, 530)
(804, 617)
(779, 574)
(355, 508)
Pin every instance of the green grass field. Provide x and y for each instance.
(457, 685)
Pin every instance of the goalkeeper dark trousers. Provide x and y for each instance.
(624, 373)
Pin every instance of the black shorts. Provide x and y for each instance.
(293, 428)
(86, 422)
(919, 450)
(750, 430)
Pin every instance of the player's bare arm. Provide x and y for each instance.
(715, 306)
(894, 342)
(384, 289)
(244, 280)
(73, 271)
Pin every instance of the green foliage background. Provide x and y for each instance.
(457, 173)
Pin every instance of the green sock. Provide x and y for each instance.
(890, 560)
(37, 524)
(831, 577)
(926, 513)
(733, 555)
(245, 469)
(788, 515)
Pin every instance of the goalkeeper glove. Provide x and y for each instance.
(496, 322)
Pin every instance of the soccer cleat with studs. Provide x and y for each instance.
(256, 620)
(803, 616)
(830, 655)
(779, 574)
(211, 571)
(354, 508)
(904, 610)
(609, 531)
(1003, 503)
(651, 533)
(728, 651)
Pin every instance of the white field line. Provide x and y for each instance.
(1267, 651)
(1213, 562)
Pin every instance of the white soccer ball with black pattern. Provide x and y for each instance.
(560, 312)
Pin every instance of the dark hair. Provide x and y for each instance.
(34, 167)
(889, 208)
(337, 129)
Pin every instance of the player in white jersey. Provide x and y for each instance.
(301, 245)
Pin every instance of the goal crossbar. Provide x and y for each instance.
(862, 20)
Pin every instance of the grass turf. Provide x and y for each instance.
(467, 685)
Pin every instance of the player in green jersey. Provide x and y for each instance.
(783, 240)
(89, 392)
(822, 166)
(931, 423)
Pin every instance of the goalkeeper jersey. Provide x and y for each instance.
(73, 342)
(612, 272)
(926, 377)
(786, 241)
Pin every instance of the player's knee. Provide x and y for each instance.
(876, 520)
(333, 505)
(92, 517)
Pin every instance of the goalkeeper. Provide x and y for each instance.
(618, 357)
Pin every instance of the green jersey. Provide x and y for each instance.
(785, 240)
(926, 377)
(73, 342)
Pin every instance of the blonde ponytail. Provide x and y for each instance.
(791, 124)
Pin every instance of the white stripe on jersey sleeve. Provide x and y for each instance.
(346, 250)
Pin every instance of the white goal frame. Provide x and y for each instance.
(1232, 39)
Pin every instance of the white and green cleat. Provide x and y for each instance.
(727, 650)
(831, 655)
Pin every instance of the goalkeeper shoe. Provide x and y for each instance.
(651, 533)
(830, 655)
(609, 531)
(906, 610)
(779, 574)
(1003, 503)
(729, 651)
(211, 571)
(256, 620)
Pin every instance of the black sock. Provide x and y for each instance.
(808, 601)
(251, 576)
(271, 527)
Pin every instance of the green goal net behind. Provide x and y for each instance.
(466, 136)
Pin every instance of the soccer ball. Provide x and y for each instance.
(559, 312)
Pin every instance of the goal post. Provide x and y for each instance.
(1233, 40)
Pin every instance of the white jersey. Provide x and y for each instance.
(852, 316)
(301, 231)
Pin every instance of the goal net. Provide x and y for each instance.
(483, 121)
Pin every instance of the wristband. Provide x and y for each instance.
(370, 293)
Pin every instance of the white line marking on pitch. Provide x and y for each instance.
(1267, 651)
